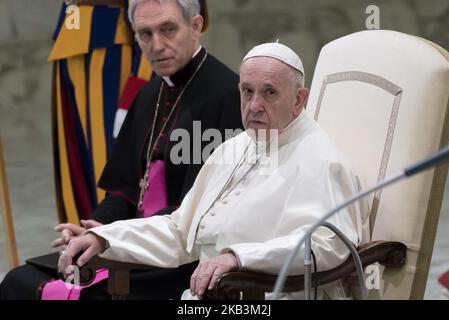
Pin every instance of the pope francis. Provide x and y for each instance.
(243, 212)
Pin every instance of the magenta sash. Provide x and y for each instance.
(58, 290)
(155, 196)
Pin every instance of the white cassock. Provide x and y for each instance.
(257, 213)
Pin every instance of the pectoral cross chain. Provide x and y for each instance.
(143, 184)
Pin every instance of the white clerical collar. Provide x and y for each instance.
(168, 80)
(297, 128)
(294, 130)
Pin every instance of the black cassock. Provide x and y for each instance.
(210, 101)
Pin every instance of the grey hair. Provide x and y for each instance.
(298, 78)
(189, 8)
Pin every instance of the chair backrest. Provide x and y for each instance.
(383, 98)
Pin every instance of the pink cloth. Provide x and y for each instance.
(57, 290)
(155, 197)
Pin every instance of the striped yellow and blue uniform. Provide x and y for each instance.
(94, 66)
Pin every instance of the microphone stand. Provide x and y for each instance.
(354, 254)
(286, 267)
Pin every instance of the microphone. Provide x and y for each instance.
(434, 160)
(437, 159)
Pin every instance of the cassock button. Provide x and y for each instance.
(202, 226)
(237, 193)
(212, 214)
(225, 201)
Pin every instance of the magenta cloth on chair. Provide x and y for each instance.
(57, 290)
(155, 197)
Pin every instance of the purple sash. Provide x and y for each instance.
(155, 196)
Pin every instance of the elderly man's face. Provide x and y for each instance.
(269, 97)
(166, 38)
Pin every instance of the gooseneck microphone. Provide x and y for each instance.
(437, 159)
(434, 160)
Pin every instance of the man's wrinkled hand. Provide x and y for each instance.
(89, 244)
(89, 224)
(69, 231)
(209, 271)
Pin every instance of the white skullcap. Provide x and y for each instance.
(277, 51)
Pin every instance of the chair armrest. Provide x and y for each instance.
(118, 279)
(253, 285)
(88, 271)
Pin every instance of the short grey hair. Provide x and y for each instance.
(297, 78)
(189, 8)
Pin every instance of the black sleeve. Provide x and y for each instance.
(114, 208)
(167, 210)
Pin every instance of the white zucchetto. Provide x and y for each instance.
(277, 51)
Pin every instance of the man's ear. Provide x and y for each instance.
(197, 26)
(300, 100)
